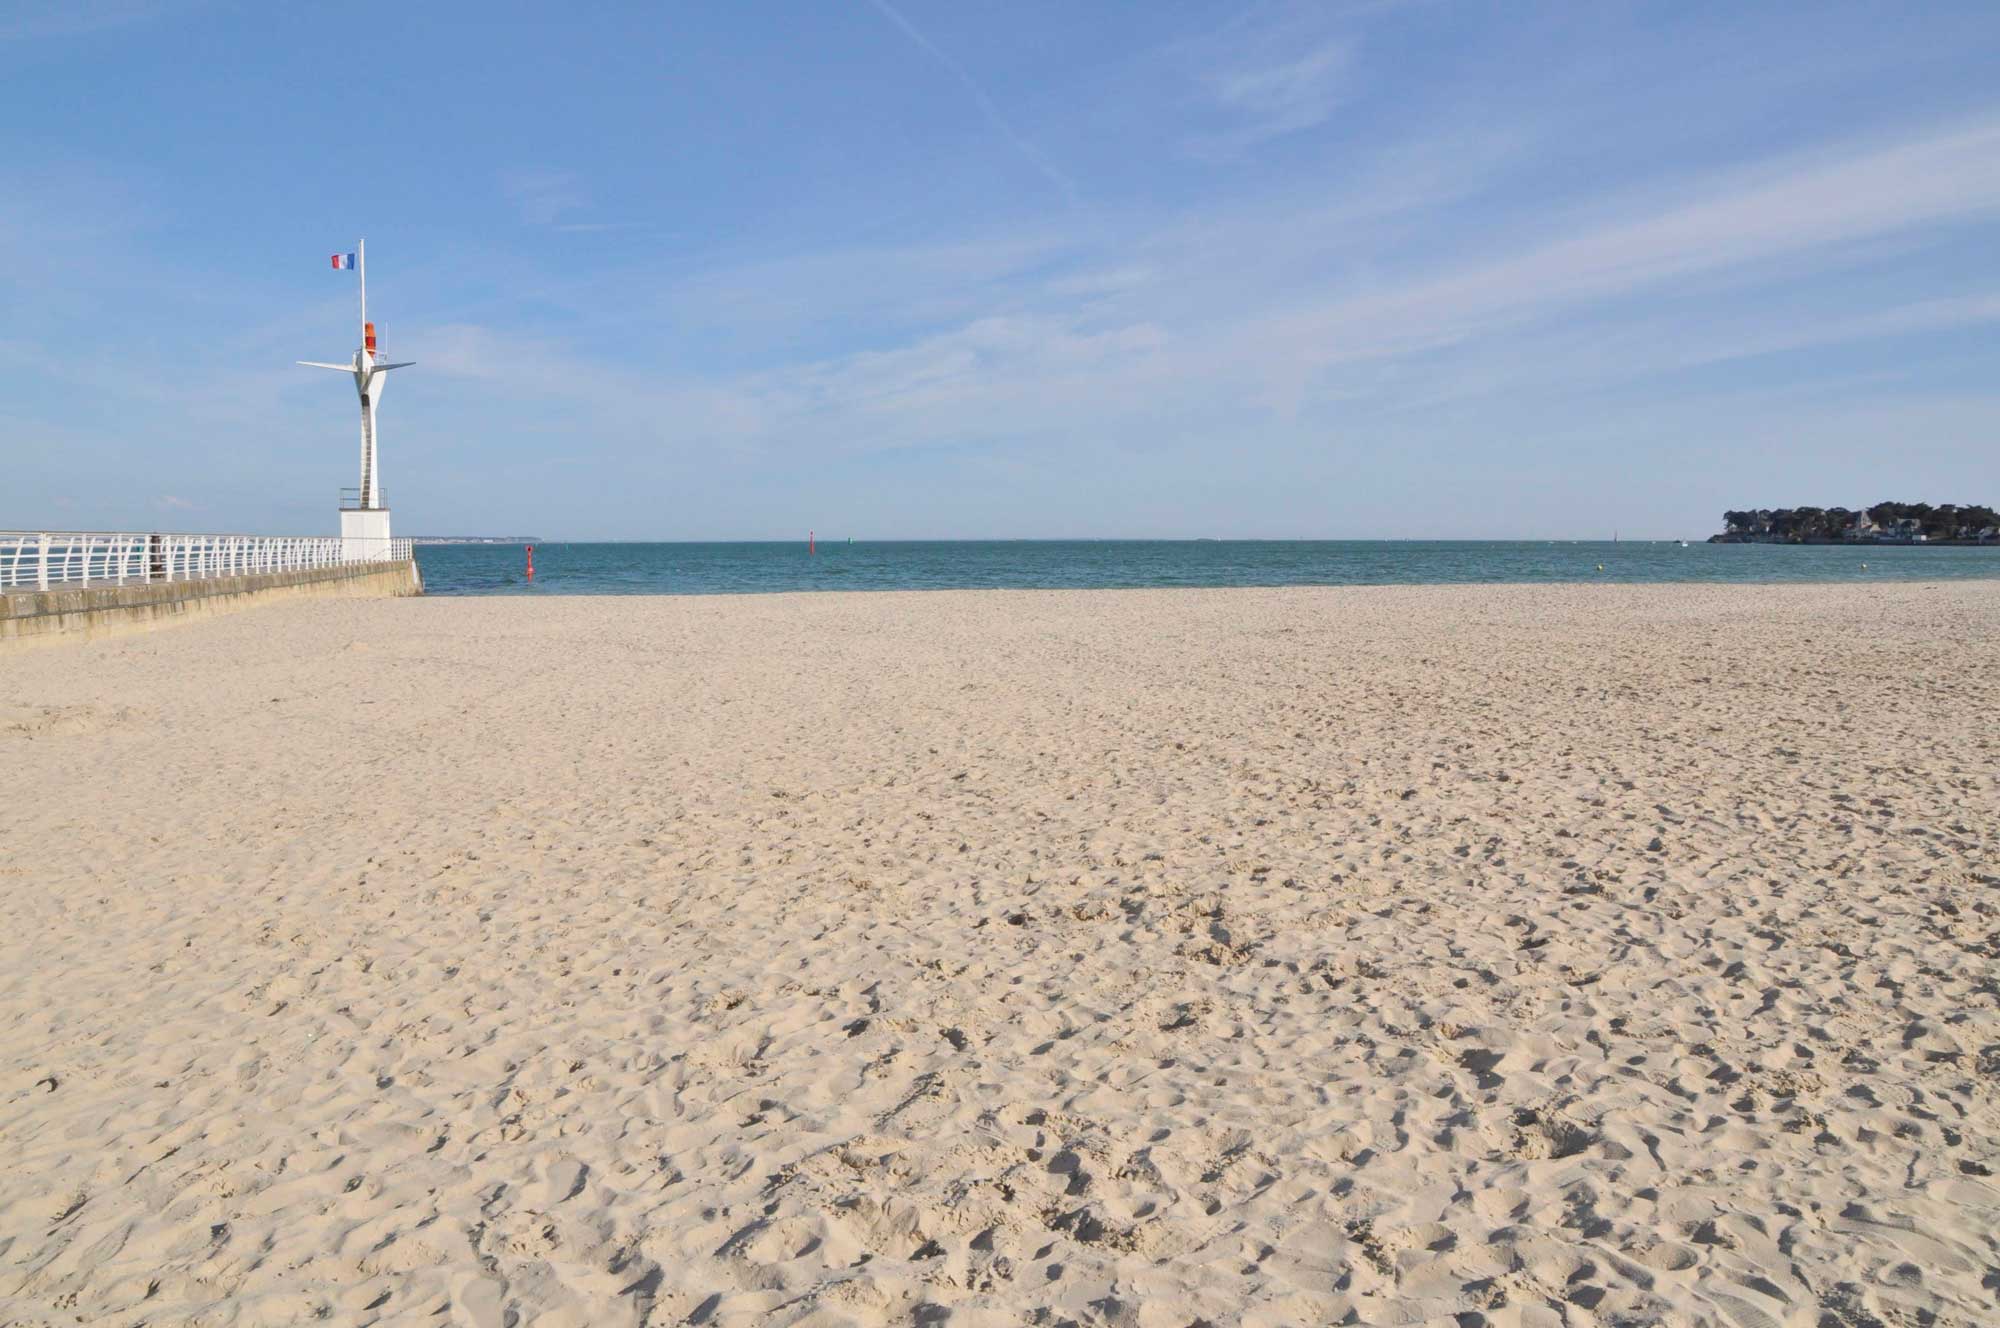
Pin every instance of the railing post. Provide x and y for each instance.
(42, 565)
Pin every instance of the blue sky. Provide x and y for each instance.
(905, 268)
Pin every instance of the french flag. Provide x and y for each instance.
(342, 261)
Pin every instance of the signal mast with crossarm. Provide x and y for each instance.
(364, 512)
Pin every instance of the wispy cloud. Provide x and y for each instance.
(987, 108)
(1772, 215)
(1134, 350)
(1272, 70)
(1269, 99)
(551, 199)
(542, 197)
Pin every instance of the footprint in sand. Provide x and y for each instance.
(564, 1180)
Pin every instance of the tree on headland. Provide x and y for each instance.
(1886, 520)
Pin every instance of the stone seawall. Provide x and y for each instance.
(80, 613)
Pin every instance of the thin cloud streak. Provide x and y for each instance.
(1937, 179)
(985, 103)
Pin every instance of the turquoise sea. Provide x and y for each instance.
(714, 569)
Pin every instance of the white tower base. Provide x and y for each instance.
(364, 534)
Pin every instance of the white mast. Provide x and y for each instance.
(370, 466)
(365, 522)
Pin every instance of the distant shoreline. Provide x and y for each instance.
(1860, 544)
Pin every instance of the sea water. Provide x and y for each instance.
(738, 568)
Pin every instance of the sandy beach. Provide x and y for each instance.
(1571, 955)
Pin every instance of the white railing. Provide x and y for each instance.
(68, 559)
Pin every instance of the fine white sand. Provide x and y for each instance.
(1578, 955)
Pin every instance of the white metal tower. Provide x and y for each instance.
(364, 518)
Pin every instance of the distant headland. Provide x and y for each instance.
(1884, 523)
(473, 539)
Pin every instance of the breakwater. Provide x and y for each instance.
(89, 611)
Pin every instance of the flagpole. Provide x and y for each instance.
(361, 261)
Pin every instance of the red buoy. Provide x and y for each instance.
(810, 545)
(531, 562)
